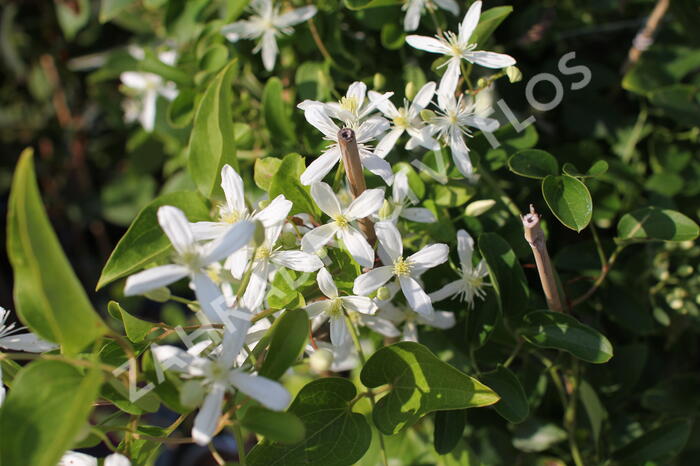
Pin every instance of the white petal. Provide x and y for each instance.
(210, 298)
(449, 80)
(172, 358)
(365, 204)
(448, 290)
(276, 211)
(471, 19)
(465, 248)
(383, 104)
(235, 336)
(424, 96)
(390, 238)
(378, 166)
(268, 392)
(255, 292)
(272, 234)
(175, 225)
(490, 59)
(371, 128)
(325, 199)
(295, 16)
(205, 231)
(318, 237)
(236, 263)
(440, 319)
(361, 304)
(208, 416)
(412, 18)
(321, 166)
(326, 283)
(484, 124)
(418, 214)
(370, 281)
(357, 245)
(357, 90)
(134, 80)
(387, 143)
(429, 257)
(379, 325)
(232, 184)
(415, 296)
(269, 50)
(339, 331)
(74, 458)
(115, 459)
(148, 113)
(400, 187)
(153, 278)
(297, 260)
(318, 308)
(429, 44)
(240, 30)
(26, 342)
(237, 236)
(317, 117)
(410, 332)
(449, 5)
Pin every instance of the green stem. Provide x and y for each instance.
(240, 443)
(601, 278)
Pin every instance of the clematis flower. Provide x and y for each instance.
(458, 47)
(335, 307)
(191, 259)
(340, 226)
(415, 9)
(217, 375)
(406, 270)
(267, 254)
(353, 108)
(471, 281)
(410, 319)
(451, 124)
(401, 198)
(405, 119)
(74, 458)
(317, 115)
(266, 24)
(11, 340)
(147, 87)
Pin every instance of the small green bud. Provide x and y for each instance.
(191, 394)
(427, 115)
(685, 270)
(385, 211)
(383, 293)
(259, 236)
(378, 81)
(321, 360)
(476, 208)
(676, 304)
(410, 90)
(159, 295)
(482, 82)
(514, 74)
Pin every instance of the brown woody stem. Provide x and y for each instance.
(535, 237)
(356, 178)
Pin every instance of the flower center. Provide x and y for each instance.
(230, 217)
(350, 104)
(262, 253)
(336, 308)
(401, 121)
(341, 221)
(402, 267)
(190, 259)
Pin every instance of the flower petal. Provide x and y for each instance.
(448, 290)
(381, 326)
(418, 214)
(449, 5)
(232, 184)
(205, 231)
(269, 50)
(148, 113)
(440, 319)
(172, 358)
(237, 236)
(255, 292)
(423, 97)
(412, 18)
(357, 245)
(175, 225)
(370, 281)
(429, 44)
(276, 211)
(387, 143)
(410, 332)
(317, 308)
(208, 416)
(325, 199)
(339, 331)
(296, 16)
(297, 260)
(469, 23)
(449, 80)
(319, 119)
(326, 283)
(240, 30)
(365, 204)
(429, 257)
(318, 237)
(115, 459)
(361, 304)
(269, 393)
(490, 59)
(378, 166)
(153, 278)
(74, 458)
(357, 91)
(390, 239)
(321, 166)
(465, 248)
(210, 298)
(417, 299)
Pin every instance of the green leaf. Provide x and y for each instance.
(72, 16)
(488, 22)
(534, 435)
(513, 406)
(181, 109)
(214, 58)
(286, 181)
(111, 8)
(335, 436)
(569, 200)
(449, 427)
(483, 319)
(679, 102)
(549, 329)
(506, 274)
(45, 411)
(264, 170)
(655, 224)
(145, 241)
(664, 442)
(289, 335)
(362, 4)
(277, 115)
(420, 383)
(392, 36)
(48, 296)
(533, 163)
(595, 411)
(313, 81)
(275, 426)
(597, 169)
(136, 329)
(212, 143)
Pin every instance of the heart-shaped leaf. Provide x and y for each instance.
(569, 200)
(420, 383)
(533, 163)
(652, 223)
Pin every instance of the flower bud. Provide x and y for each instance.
(378, 81)
(191, 394)
(482, 83)
(427, 115)
(321, 360)
(259, 236)
(383, 293)
(514, 74)
(685, 270)
(410, 90)
(385, 211)
(159, 295)
(476, 208)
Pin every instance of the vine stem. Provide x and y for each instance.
(605, 270)
(240, 443)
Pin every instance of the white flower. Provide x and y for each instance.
(335, 307)
(353, 108)
(191, 259)
(317, 115)
(406, 118)
(218, 375)
(471, 280)
(405, 269)
(365, 205)
(266, 254)
(11, 340)
(401, 198)
(415, 8)
(74, 458)
(439, 319)
(267, 23)
(450, 125)
(147, 86)
(458, 47)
